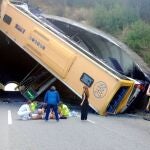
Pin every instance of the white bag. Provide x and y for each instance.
(148, 91)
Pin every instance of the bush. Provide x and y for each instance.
(138, 36)
(146, 57)
(112, 19)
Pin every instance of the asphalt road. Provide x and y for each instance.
(121, 132)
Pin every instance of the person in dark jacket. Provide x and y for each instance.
(85, 103)
(52, 99)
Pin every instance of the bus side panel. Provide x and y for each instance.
(37, 41)
(52, 52)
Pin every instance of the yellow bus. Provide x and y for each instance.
(67, 61)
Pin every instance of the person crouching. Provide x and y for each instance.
(24, 111)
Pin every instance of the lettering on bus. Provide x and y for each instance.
(37, 43)
(19, 28)
(100, 89)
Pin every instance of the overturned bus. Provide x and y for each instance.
(74, 54)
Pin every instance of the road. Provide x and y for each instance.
(121, 132)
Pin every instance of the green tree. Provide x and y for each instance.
(141, 7)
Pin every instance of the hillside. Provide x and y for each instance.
(129, 21)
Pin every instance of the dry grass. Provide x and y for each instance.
(60, 9)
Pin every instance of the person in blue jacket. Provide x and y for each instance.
(52, 99)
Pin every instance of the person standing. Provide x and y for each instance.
(52, 99)
(148, 94)
(85, 103)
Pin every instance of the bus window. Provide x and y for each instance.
(116, 100)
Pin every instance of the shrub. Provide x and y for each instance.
(146, 57)
(138, 36)
(112, 19)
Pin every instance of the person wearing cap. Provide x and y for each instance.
(52, 99)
